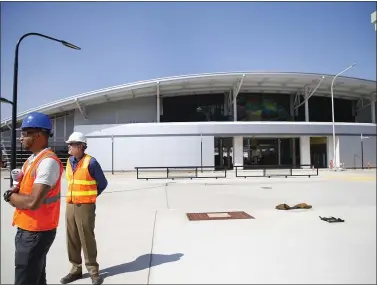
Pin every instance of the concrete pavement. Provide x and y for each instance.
(144, 236)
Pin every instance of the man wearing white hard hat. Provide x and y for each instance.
(86, 181)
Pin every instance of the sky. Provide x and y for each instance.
(123, 42)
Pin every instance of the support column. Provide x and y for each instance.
(235, 91)
(292, 113)
(330, 152)
(305, 150)
(293, 140)
(65, 127)
(306, 103)
(158, 102)
(55, 130)
(291, 106)
(238, 151)
(226, 100)
(221, 152)
(373, 108)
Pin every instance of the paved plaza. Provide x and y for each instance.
(144, 236)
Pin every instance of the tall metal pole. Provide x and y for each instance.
(332, 111)
(362, 151)
(15, 89)
(201, 152)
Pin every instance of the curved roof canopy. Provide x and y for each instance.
(258, 82)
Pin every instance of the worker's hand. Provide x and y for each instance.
(7, 195)
(15, 189)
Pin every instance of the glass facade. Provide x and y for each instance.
(263, 107)
(320, 110)
(194, 108)
(254, 107)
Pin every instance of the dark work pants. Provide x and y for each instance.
(30, 257)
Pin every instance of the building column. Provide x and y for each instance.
(55, 129)
(158, 102)
(373, 108)
(330, 151)
(291, 106)
(306, 97)
(293, 149)
(305, 150)
(226, 98)
(238, 151)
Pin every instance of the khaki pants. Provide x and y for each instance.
(80, 222)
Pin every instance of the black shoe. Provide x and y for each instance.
(70, 277)
(96, 279)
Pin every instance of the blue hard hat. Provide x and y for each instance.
(37, 120)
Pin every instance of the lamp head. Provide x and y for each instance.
(72, 46)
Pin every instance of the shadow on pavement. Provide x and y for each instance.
(140, 263)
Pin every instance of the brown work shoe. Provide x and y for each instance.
(302, 206)
(282, 207)
(70, 277)
(96, 279)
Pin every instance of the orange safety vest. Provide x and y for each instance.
(82, 187)
(47, 216)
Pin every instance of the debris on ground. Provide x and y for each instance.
(298, 206)
(331, 220)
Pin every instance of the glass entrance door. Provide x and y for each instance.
(224, 153)
(260, 151)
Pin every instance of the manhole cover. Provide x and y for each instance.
(218, 216)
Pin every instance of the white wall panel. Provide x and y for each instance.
(101, 149)
(130, 152)
(139, 110)
(350, 151)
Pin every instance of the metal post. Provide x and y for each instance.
(362, 152)
(235, 91)
(65, 128)
(373, 108)
(158, 102)
(332, 111)
(201, 152)
(112, 155)
(306, 103)
(55, 130)
(15, 89)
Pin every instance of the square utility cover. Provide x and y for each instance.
(218, 216)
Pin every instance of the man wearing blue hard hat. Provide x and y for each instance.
(36, 197)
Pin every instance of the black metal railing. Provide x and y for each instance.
(276, 170)
(180, 172)
(59, 147)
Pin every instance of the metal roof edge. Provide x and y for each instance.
(92, 94)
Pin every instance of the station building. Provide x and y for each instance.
(219, 120)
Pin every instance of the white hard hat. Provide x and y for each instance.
(76, 137)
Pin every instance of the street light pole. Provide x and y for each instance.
(15, 89)
(333, 116)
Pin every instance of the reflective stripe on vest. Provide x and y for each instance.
(47, 216)
(82, 188)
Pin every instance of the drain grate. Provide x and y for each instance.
(218, 216)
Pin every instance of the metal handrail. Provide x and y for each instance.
(192, 171)
(266, 173)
